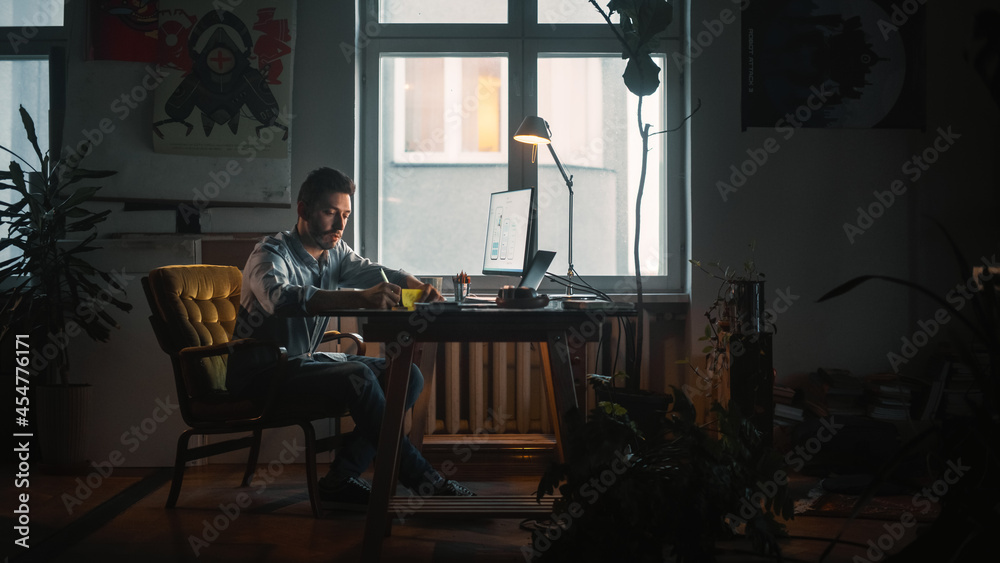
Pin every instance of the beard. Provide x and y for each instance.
(324, 239)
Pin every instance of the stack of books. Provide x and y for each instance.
(888, 396)
(786, 413)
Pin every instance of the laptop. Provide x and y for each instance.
(535, 272)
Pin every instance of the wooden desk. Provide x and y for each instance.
(552, 327)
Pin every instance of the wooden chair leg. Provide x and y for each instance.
(252, 458)
(180, 462)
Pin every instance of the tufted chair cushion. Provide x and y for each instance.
(199, 304)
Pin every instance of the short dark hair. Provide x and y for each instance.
(323, 181)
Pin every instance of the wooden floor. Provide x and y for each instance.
(122, 517)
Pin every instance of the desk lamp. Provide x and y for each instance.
(535, 131)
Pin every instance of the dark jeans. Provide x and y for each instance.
(356, 384)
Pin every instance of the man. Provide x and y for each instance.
(292, 277)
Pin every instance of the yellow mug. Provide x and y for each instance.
(410, 297)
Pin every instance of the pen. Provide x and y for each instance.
(381, 271)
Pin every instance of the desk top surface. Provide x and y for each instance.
(443, 322)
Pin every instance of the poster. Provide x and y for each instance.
(123, 30)
(834, 64)
(227, 90)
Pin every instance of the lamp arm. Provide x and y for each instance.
(569, 185)
(568, 179)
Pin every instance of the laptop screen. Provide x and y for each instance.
(535, 272)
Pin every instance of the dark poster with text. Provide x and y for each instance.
(833, 64)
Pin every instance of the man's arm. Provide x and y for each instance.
(382, 296)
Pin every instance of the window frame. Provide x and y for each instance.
(47, 43)
(522, 40)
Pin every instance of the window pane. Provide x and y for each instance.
(570, 11)
(18, 13)
(443, 150)
(443, 11)
(22, 82)
(594, 133)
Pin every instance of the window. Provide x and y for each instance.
(449, 109)
(444, 86)
(29, 31)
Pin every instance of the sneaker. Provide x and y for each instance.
(351, 493)
(451, 488)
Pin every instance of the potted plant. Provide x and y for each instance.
(668, 490)
(738, 336)
(49, 292)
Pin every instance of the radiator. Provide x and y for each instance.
(487, 388)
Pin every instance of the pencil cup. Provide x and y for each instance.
(462, 291)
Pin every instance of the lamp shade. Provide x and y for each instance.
(533, 131)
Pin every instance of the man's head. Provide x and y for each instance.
(324, 205)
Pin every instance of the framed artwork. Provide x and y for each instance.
(227, 79)
(833, 64)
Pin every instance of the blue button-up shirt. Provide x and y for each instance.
(279, 279)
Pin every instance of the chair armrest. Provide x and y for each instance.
(337, 335)
(199, 352)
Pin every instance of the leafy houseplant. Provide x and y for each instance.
(671, 488)
(50, 293)
(737, 309)
(969, 512)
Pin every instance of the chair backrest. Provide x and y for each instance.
(195, 305)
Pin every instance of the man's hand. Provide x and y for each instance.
(383, 296)
(430, 293)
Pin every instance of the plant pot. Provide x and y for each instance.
(746, 306)
(62, 423)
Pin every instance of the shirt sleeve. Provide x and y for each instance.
(362, 273)
(267, 278)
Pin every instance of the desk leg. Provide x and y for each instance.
(378, 523)
(559, 384)
(425, 359)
